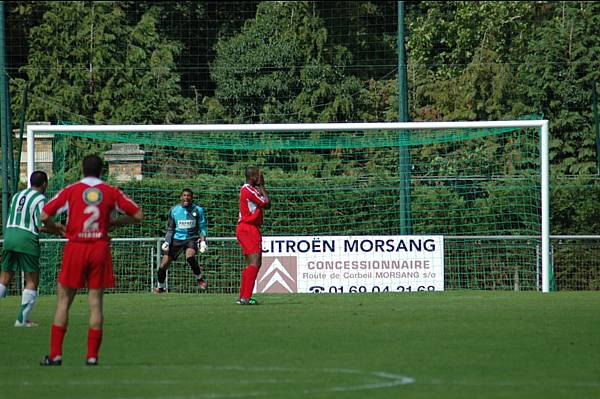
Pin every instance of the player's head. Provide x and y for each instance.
(187, 195)
(92, 166)
(39, 180)
(252, 174)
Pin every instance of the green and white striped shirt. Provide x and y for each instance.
(22, 227)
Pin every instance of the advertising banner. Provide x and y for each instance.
(346, 264)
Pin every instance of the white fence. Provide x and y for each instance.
(476, 262)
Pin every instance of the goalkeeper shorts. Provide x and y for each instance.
(179, 246)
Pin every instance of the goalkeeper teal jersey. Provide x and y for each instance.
(185, 223)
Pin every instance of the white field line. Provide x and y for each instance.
(275, 385)
(382, 380)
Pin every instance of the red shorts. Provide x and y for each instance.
(87, 264)
(249, 237)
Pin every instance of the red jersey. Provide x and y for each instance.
(251, 203)
(89, 204)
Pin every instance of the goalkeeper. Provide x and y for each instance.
(186, 232)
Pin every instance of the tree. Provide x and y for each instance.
(461, 54)
(444, 36)
(86, 64)
(484, 90)
(197, 26)
(556, 76)
(281, 68)
(368, 29)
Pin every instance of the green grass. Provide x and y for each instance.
(467, 344)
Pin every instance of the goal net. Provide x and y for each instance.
(482, 185)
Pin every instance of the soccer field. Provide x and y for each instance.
(418, 345)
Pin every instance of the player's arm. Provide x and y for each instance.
(48, 225)
(202, 224)
(264, 202)
(202, 230)
(256, 194)
(132, 214)
(170, 227)
(123, 220)
(56, 205)
(47, 220)
(56, 228)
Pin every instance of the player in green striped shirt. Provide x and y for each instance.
(21, 243)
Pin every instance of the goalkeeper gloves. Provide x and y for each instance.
(165, 247)
(203, 247)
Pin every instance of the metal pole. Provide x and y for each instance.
(596, 123)
(537, 267)
(157, 264)
(30, 151)
(4, 123)
(17, 173)
(404, 149)
(547, 273)
(9, 138)
(402, 80)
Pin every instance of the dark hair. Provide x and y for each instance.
(92, 166)
(38, 178)
(250, 171)
(187, 190)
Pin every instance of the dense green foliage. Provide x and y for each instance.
(100, 69)
(178, 62)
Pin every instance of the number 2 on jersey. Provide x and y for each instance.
(91, 223)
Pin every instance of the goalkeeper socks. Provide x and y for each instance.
(57, 335)
(93, 344)
(162, 276)
(194, 265)
(2, 290)
(29, 297)
(248, 279)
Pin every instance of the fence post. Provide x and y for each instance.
(155, 266)
(538, 266)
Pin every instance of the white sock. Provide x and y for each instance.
(29, 297)
(2, 290)
(161, 285)
(198, 276)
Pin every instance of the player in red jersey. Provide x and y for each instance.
(253, 198)
(87, 260)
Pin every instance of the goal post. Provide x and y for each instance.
(341, 158)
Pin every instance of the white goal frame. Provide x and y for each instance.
(542, 125)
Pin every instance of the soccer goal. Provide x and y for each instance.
(480, 186)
